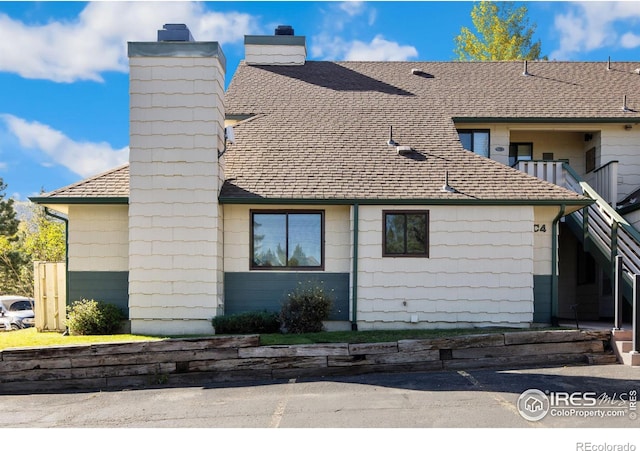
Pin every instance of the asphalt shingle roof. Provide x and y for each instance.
(111, 184)
(320, 131)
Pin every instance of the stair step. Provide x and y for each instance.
(622, 335)
(625, 346)
(631, 359)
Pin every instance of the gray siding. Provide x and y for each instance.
(258, 291)
(542, 299)
(106, 286)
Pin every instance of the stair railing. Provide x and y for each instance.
(612, 233)
(603, 226)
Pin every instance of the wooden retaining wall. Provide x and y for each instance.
(240, 358)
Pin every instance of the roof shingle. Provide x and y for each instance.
(320, 131)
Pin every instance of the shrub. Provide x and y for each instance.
(306, 308)
(93, 318)
(247, 323)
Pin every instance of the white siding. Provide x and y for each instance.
(175, 223)
(288, 55)
(98, 238)
(543, 239)
(479, 272)
(624, 146)
(237, 235)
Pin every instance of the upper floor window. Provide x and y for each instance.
(520, 152)
(287, 239)
(406, 233)
(476, 141)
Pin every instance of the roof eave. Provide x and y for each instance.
(80, 200)
(351, 201)
(551, 120)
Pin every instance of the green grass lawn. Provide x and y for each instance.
(26, 338)
(373, 336)
(32, 338)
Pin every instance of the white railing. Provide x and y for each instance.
(551, 171)
(605, 181)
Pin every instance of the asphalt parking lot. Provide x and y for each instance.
(454, 399)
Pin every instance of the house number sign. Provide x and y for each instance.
(539, 228)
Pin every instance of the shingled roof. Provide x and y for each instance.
(108, 187)
(319, 131)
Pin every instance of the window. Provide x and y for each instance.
(590, 159)
(520, 152)
(406, 233)
(476, 141)
(287, 239)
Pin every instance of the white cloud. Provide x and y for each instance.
(82, 158)
(379, 49)
(630, 40)
(589, 26)
(352, 8)
(328, 45)
(81, 49)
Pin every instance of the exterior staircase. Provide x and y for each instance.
(622, 343)
(613, 242)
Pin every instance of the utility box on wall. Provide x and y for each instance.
(49, 292)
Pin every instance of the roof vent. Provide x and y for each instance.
(284, 30)
(174, 32)
(421, 73)
(404, 150)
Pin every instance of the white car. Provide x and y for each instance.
(16, 312)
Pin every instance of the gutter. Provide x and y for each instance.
(66, 250)
(554, 266)
(354, 278)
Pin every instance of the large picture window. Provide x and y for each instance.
(287, 239)
(406, 233)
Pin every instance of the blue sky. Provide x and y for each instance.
(63, 65)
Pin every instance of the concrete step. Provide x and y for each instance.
(631, 359)
(622, 334)
(622, 347)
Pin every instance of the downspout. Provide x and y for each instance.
(354, 273)
(554, 266)
(66, 251)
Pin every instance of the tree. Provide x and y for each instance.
(8, 222)
(504, 34)
(37, 238)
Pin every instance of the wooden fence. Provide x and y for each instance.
(49, 292)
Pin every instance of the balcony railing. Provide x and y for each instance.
(604, 179)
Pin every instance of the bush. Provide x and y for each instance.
(94, 318)
(306, 308)
(247, 323)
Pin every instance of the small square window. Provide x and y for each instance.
(520, 152)
(406, 233)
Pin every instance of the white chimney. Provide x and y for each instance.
(281, 49)
(175, 223)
